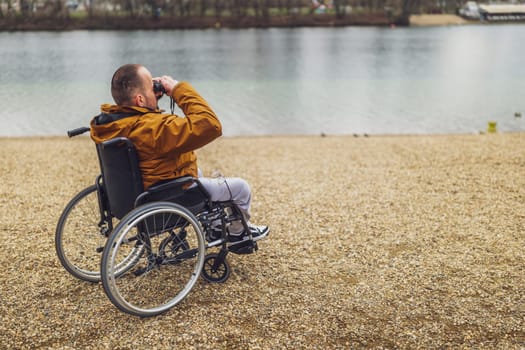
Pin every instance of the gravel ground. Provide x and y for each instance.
(376, 242)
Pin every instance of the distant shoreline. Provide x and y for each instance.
(194, 22)
(150, 23)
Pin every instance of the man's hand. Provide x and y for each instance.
(168, 83)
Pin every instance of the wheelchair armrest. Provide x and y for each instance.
(178, 182)
(173, 189)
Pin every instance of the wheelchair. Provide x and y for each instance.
(148, 247)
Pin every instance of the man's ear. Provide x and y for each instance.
(140, 100)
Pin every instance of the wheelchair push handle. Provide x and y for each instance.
(77, 131)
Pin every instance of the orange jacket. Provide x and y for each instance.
(164, 142)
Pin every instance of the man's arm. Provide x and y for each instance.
(200, 127)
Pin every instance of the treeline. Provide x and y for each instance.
(203, 13)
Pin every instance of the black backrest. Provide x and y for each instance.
(120, 174)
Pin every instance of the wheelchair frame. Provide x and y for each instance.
(159, 245)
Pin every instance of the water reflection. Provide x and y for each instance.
(279, 81)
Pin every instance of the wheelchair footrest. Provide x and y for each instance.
(243, 247)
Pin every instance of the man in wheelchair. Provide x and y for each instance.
(165, 143)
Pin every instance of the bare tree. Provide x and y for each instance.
(204, 7)
(266, 5)
(218, 8)
(25, 8)
(339, 7)
(184, 7)
(130, 6)
(407, 8)
(239, 8)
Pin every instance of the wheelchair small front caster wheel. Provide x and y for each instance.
(215, 269)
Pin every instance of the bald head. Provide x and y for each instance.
(126, 83)
(132, 85)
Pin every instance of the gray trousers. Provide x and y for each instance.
(229, 188)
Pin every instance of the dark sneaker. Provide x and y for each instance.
(257, 232)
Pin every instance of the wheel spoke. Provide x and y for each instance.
(79, 240)
(166, 271)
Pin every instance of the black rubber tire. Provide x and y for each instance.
(159, 280)
(78, 240)
(218, 275)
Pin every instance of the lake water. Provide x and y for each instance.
(279, 81)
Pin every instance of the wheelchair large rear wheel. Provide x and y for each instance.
(173, 257)
(79, 239)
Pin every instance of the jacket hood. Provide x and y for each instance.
(107, 124)
(118, 112)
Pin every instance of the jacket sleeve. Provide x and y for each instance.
(198, 128)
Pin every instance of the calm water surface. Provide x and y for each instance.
(279, 81)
